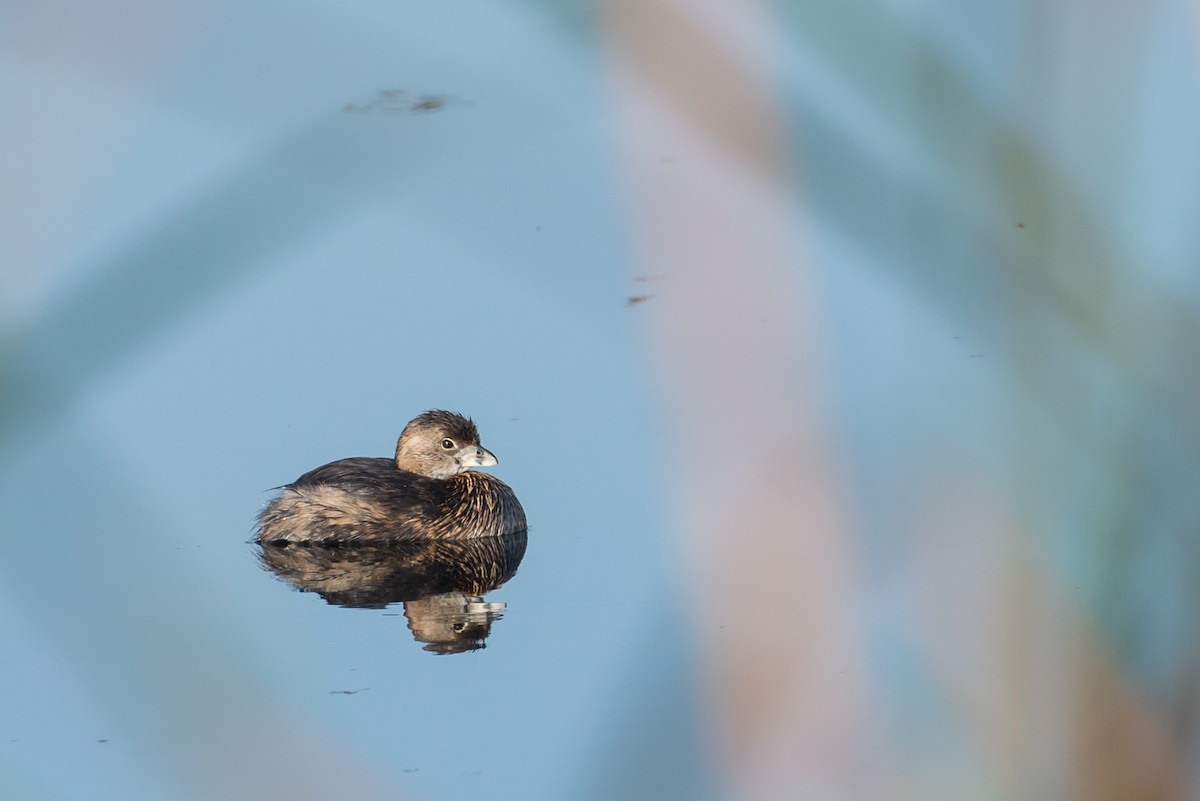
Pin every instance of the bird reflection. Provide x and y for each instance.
(440, 583)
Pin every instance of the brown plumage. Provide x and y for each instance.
(427, 491)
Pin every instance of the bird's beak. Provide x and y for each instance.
(476, 456)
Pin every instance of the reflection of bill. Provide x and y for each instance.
(453, 622)
(441, 584)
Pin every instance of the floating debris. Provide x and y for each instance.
(428, 103)
(400, 101)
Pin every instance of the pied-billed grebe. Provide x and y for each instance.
(428, 491)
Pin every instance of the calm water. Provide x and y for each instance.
(154, 646)
(272, 265)
(840, 356)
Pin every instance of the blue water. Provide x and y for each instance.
(264, 282)
(956, 560)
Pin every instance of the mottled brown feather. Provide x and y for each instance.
(367, 499)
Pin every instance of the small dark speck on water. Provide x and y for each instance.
(975, 356)
(428, 103)
(397, 101)
(636, 299)
(648, 277)
(349, 692)
(410, 770)
(391, 614)
(102, 741)
(1020, 225)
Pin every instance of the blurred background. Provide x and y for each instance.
(841, 353)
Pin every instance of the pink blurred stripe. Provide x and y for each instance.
(762, 526)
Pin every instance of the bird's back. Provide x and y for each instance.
(365, 499)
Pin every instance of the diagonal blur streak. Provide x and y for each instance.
(308, 181)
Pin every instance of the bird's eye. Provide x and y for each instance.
(448, 444)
